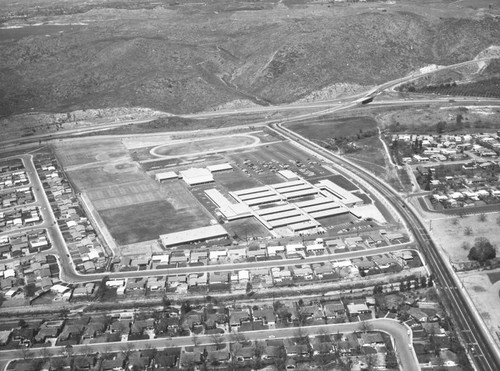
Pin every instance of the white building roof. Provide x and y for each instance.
(164, 176)
(329, 212)
(287, 184)
(219, 167)
(316, 201)
(227, 208)
(309, 224)
(263, 193)
(288, 221)
(263, 200)
(288, 174)
(319, 207)
(282, 215)
(274, 209)
(301, 193)
(250, 190)
(195, 176)
(343, 195)
(190, 235)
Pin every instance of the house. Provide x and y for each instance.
(417, 314)
(267, 316)
(237, 317)
(372, 338)
(333, 310)
(356, 309)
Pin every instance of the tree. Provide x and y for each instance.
(498, 220)
(217, 339)
(482, 217)
(365, 326)
(238, 337)
(482, 250)
(258, 350)
(465, 245)
(195, 339)
(467, 231)
(371, 361)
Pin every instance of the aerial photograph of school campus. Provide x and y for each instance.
(249, 185)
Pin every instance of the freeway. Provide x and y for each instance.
(399, 333)
(331, 106)
(481, 347)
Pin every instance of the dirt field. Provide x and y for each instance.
(79, 152)
(451, 236)
(97, 177)
(322, 129)
(144, 222)
(193, 147)
(485, 297)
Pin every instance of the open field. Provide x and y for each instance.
(246, 229)
(485, 296)
(451, 237)
(323, 128)
(124, 195)
(236, 180)
(193, 147)
(104, 176)
(73, 152)
(424, 120)
(144, 222)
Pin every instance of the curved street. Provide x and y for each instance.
(400, 334)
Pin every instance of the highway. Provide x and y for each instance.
(480, 346)
(398, 331)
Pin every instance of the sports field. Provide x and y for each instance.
(146, 221)
(78, 152)
(190, 147)
(88, 179)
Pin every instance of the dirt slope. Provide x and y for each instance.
(188, 58)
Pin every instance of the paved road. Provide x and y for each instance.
(398, 331)
(486, 356)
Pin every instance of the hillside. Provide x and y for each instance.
(189, 58)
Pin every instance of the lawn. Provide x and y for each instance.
(236, 180)
(146, 221)
(92, 178)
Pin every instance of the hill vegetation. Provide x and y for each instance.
(184, 58)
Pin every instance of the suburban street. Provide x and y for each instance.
(469, 323)
(399, 332)
(456, 301)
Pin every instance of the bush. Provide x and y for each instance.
(482, 250)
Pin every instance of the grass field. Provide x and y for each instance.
(236, 180)
(97, 177)
(323, 129)
(205, 145)
(124, 195)
(146, 221)
(79, 152)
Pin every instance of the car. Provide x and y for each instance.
(271, 336)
